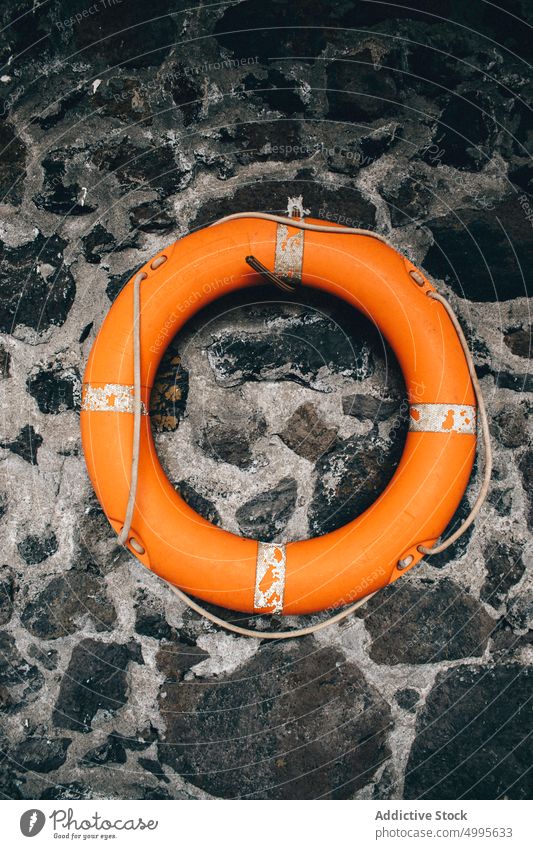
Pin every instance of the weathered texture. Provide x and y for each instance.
(282, 713)
(274, 416)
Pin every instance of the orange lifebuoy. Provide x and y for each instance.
(373, 550)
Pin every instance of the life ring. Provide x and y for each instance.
(326, 572)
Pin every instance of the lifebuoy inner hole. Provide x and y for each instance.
(279, 417)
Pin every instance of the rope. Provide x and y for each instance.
(137, 409)
(269, 635)
(482, 412)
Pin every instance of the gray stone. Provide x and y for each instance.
(306, 434)
(265, 516)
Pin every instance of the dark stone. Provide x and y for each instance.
(7, 594)
(230, 437)
(112, 751)
(416, 623)
(458, 548)
(505, 567)
(509, 426)
(485, 255)
(55, 389)
(187, 89)
(5, 363)
(40, 754)
(150, 623)
(517, 382)
(342, 204)
(34, 549)
(117, 283)
(36, 287)
(123, 98)
(266, 141)
(168, 400)
(298, 351)
(60, 608)
(198, 502)
(276, 90)
(256, 29)
(306, 434)
(153, 766)
(6, 699)
(408, 201)
(520, 612)
(151, 217)
(14, 668)
(123, 35)
(175, 658)
(363, 466)
(407, 698)
(379, 141)
(94, 680)
(501, 500)
(56, 197)
(291, 760)
(12, 164)
(149, 168)
(265, 516)
(369, 407)
(356, 93)
(97, 243)
(519, 341)
(85, 332)
(47, 658)
(72, 791)
(26, 444)
(464, 131)
(61, 109)
(473, 736)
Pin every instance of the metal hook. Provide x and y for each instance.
(280, 282)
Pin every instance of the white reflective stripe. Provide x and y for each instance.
(109, 398)
(443, 418)
(269, 578)
(289, 253)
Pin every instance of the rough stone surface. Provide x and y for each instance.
(302, 683)
(94, 680)
(425, 623)
(276, 416)
(472, 736)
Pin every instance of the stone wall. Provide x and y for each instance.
(125, 125)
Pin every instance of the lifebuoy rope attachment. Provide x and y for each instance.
(137, 410)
